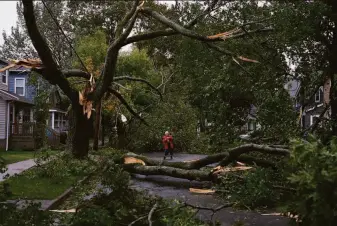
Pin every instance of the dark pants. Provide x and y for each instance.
(167, 151)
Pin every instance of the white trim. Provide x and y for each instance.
(319, 94)
(9, 94)
(54, 110)
(312, 117)
(24, 86)
(8, 125)
(6, 74)
(52, 120)
(313, 108)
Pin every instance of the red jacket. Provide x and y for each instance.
(167, 140)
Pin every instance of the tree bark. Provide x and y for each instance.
(97, 125)
(103, 128)
(121, 134)
(197, 175)
(81, 132)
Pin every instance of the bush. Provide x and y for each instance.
(250, 189)
(313, 172)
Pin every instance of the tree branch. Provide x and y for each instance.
(128, 78)
(126, 18)
(125, 103)
(169, 31)
(76, 73)
(178, 28)
(112, 55)
(52, 72)
(236, 152)
(151, 213)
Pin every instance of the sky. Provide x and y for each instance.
(8, 16)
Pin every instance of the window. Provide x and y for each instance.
(319, 95)
(4, 77)
(20, 86)
(251, 125)
(313, 119)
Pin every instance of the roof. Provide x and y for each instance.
(293, 86)
(4, 61)
(14, 97)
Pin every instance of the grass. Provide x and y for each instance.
(46, 182)
(27, 186)
(18, 156)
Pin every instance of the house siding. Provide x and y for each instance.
(2, 85)
(30, 91)
(3, 111)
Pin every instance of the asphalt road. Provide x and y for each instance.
(173, 188)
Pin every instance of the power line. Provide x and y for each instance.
(67, 39)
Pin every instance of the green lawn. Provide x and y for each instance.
(17, 156)
(30, 185)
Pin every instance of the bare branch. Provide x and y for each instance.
(125, 103)
(123, 87)
(169, 31)
(128, 78)
(214, 210)
(151, 213)
(235, 33)
(178, 28)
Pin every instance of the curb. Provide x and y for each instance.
(65, 195)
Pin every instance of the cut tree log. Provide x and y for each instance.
(197, 175)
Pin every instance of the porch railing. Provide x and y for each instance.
(22, 129)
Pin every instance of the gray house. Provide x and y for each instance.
(316, 105)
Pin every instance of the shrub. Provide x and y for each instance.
(313, 171)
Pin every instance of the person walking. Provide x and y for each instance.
(168, 144)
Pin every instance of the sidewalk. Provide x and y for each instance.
(16, 168)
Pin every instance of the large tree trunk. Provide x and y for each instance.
(121, 130)
(81, 132)
(97, 125)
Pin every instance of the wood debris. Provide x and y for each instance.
(83, 96)
(247, 59)
(132, 160)
(202, 191)
(28, 63)
(220, 169)
(225, 35)
(288, 214)
(240, 163)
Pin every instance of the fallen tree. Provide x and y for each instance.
(231, 155)
(191, 170)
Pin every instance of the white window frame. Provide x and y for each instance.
(312, 119)
(24, 86)
(6, 75)
(318, 94)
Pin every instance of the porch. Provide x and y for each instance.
(21, 126)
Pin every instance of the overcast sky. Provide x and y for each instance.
(8, 16)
